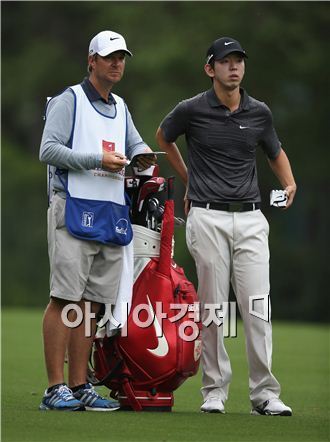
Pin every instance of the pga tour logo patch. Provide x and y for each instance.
(87, 219)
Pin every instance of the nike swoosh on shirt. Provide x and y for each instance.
(243, 127)
(228, 43)
(162, 348)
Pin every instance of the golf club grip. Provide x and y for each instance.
(170, 188)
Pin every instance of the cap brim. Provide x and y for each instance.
(108, 51)
(230, 51)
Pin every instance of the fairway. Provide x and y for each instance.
(300, 362)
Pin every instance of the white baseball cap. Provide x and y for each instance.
(106, 42)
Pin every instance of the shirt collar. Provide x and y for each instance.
(214, 101)
(92, 93)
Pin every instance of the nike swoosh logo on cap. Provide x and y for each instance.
(114, 38)
(228, 43)
(162, 348)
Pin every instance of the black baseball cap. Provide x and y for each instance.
(222, 47)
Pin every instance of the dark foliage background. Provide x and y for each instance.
(44, 49)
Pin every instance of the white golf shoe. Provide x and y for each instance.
(213, 405)
(272, 407)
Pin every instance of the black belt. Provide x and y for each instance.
(228, 207)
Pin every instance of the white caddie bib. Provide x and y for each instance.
(95, 208)
(97, 133)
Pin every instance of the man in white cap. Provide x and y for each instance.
(88, 138)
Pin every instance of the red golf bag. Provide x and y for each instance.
(161, 345)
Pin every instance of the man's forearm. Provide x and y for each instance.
(61, 156)
(282, 169)
(173, 156)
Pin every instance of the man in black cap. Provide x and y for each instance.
(227, 234)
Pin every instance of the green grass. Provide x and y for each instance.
(300, 362)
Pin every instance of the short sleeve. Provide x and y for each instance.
(175, 123)
(269, 140)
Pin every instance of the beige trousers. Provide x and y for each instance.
(80, 269)
(232, 247)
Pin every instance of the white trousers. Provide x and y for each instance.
(232, 247)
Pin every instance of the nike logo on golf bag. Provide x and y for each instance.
(162, 348)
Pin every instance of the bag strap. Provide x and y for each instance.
(111, 373)
(123, 380)
(134, 403)
(165, 255)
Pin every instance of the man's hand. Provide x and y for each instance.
(143, 162)
(186, 203)
(290, 191)
(113, 161)
(186, 206)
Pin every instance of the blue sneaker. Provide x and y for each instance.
(93, 401)
(61, 399)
